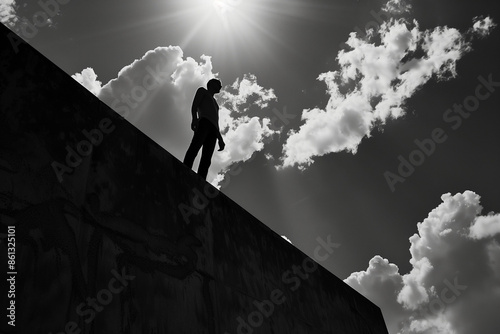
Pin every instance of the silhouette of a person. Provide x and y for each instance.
(205, 124)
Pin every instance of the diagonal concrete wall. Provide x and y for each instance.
(115, 235)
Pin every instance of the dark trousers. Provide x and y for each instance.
(205, 135)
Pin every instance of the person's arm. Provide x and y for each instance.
(198, 97)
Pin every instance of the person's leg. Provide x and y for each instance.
(199, 138)
(208, 151)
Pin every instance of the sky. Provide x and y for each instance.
(372, 123)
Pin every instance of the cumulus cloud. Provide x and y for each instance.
(380, 283)
(8, 14)
(378, 73)
(88, 79)
(155, 94)
(454, 284)
(237, 94)
(485, 226)
(245, 134)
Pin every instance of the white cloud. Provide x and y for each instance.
(454, 285)
(376, 77)
(397, 7)
(8, 14)
(244, 89)
(380, 283)
(485, 226)
(155, 94)
(483, 26)
(243, 134)
(88, 79)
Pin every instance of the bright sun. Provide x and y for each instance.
(226, 10)
(223, 7)
(223, 21)
(230, 26)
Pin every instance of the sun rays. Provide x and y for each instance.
(233, 29)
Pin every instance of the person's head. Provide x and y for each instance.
(214, 85)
